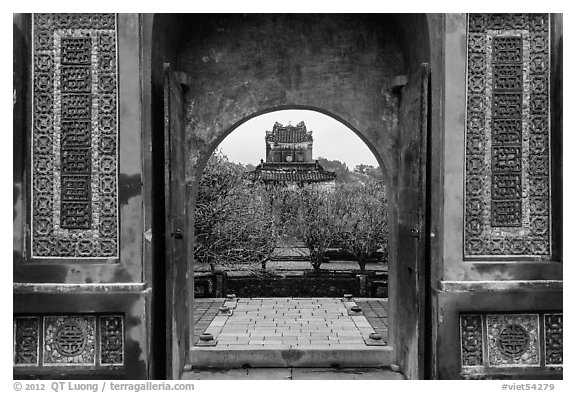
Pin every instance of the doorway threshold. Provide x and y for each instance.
(282, 356)
(290, 373)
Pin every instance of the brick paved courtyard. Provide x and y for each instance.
(282, 323)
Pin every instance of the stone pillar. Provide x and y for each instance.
(362, 282)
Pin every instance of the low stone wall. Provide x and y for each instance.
(309, 284)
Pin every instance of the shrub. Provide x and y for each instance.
(314, 220)
(234, 222)
(365, 218)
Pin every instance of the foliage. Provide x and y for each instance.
(360, 174)
(234, 221)
(365, 220)
(369, 170)
(315, 220)
(239, 223)
(343, 174)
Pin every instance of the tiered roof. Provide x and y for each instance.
(298, 172)
(289, 133)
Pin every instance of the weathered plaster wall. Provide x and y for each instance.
(242, 65)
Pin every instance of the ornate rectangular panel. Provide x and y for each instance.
(112, 340)
(513, 340)
(553, 337)
(471, 340)
(26, 341)
(83, 340)
(507, 187)
(69, 340)
(74, 166)
(499, 341)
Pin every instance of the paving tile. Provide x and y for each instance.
(256, 337)
(288, 339)
(269, 342)
(236, 343)
(265, 331)
(291, 334)
(277, 334)
(321, 342)
(357, 342)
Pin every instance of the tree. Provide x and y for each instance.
(369, 171)
(365, 218)
(315, 221)
(362, 168)
(343, 174)
(240, 223)
(234, 220)
(246, 232)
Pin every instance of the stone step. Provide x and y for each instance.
(288, 373)
(284, 356)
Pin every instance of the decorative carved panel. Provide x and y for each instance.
(507, 185)
(112, 340)
(471, 339)
(69, 340)
(26, 341)
(74, 212)
(553, 338)
(495, 341)
(513, 340)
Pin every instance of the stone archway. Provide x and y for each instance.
(355, 68)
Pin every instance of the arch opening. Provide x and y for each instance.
(362, 93)
(330, 157)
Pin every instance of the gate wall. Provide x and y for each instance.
(81, 286)
(491, 315)
(497, 299)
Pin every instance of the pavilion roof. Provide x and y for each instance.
(289, 133)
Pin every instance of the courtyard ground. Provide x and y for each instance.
(291, 338)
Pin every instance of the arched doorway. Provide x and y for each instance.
(364, 70)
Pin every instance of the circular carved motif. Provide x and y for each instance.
(513, 341)
(70, 339)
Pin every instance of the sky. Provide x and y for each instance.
(332, 139)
